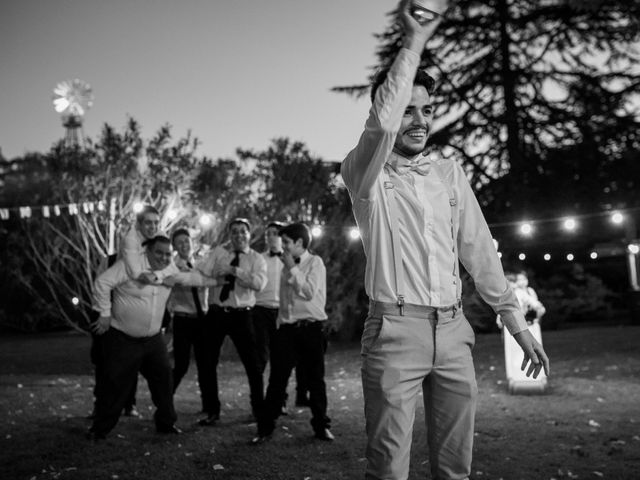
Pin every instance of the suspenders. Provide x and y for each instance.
(394, 212)
(390, 188)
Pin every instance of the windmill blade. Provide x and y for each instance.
(72, 97)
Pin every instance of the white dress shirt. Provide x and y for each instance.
(269, 296)
(181, 299)
(137, 309)
(303, 291)
(251, 275)
(427, 244)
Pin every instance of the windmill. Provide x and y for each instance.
(72, 99)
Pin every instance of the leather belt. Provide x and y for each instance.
(185, 315)
(232, 309)
(390, 308)
(301, 323)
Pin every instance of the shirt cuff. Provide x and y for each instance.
(514, 321)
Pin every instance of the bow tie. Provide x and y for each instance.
(419, 168)
(275, 254)
(297, 260)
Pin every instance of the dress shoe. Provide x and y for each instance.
(325, 434)
(131, 411)
(94, 436)
(209, 421)
(172, 430)
(259, 440)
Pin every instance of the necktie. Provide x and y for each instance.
(196, 299)
(275, 254)
(231, 280)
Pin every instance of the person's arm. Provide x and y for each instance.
(104, 284)
(132, 253)
(478, 255)
(256, 277)
(364, 163)
(305, 285)
(192, 278)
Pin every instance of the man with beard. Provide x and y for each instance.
(418, 217)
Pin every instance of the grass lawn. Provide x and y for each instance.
(587, 426)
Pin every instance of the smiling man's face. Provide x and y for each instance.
(416, 124)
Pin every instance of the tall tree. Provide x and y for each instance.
(55, 258)
(507, 71)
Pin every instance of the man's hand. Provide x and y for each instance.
(226, 270)
(101, 325)
(532, 351)
(147, 278)
(417, 34)
(288, 260)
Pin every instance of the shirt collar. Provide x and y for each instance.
(229, 248)
(304, 256)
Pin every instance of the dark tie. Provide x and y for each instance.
(297, 260)
(231, 280)
(196, 299)
(275, 254)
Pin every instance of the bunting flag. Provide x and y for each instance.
(48, 211)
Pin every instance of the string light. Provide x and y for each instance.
(354, 233)
(570, 257)
(316, 231)
(526, 229)
(522, 256)
(547, 257)
(634, 248)
(617, 218)
(172, 214)
(205, 220)
(138, 207)
(593, 255)
(569, 224)
(75, 301)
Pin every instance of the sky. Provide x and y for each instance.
(237, 73)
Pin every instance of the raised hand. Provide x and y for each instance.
(417, 33)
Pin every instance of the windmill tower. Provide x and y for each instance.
(72, 99)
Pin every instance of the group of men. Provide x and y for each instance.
(418, 219)
(257, 299)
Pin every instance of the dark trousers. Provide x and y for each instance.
(264, 328)
(123, 357)
(188, 331)
(302, 344)
(238, 325)
(97, 360)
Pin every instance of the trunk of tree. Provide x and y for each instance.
(514, 150)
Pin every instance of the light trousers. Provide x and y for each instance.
(429, 349)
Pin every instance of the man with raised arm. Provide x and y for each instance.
(418, 217)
